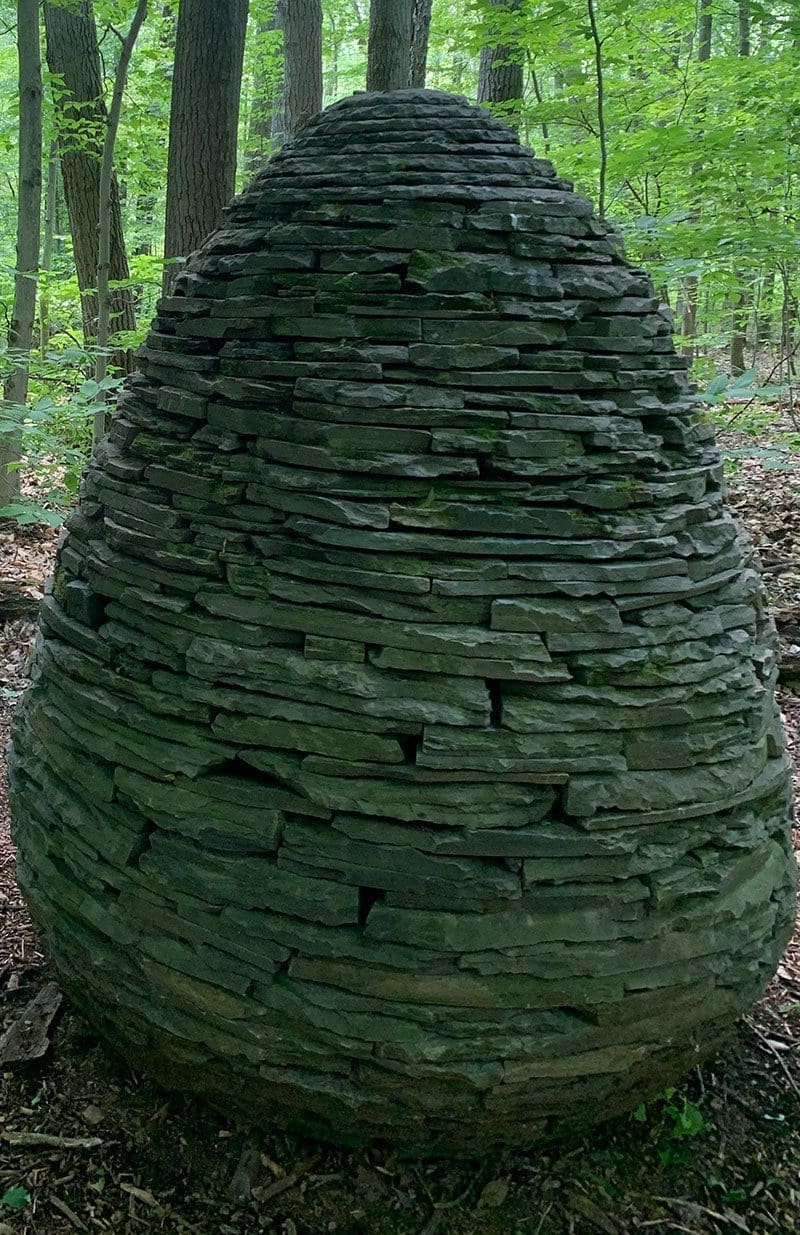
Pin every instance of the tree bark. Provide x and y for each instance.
(74, 55)
(420, 33)
(500, 73)
(744, 27)
(302, 59)
(704, 31)
(391, 27)
(689, 323)
(104, 216)
(740, 314)
(741, 300)
(46, 264)
(29, 205)
(204, 115)
(601, 115)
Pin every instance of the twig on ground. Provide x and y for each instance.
(63, 1208)
(44, 1140)
(283, 1185)
(762, 1037)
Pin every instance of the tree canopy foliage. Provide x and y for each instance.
(680, 118)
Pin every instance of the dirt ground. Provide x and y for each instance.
(720, 1154)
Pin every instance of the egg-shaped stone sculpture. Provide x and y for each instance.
(403, 759)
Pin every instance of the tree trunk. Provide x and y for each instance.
(537, 92)
(73, 54)
(419, 42)
(741, 301)
(204, 115)
(739, 332)
(104, 216)
(744, 28)
(689, 324)
(391, 27)
(601, 116)
(766, 311)
(46, 265)
(302, 58)
(704, 31)
(500, 74)
(29, 205)
(788, 318)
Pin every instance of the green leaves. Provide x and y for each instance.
(55, 429)
(722, 388)
(674, 1120)
(27, 513)
(15, 1198)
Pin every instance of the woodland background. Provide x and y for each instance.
(679, 118)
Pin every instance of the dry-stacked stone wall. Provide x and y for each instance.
(403, 759)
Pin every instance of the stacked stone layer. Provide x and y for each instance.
(403, 759)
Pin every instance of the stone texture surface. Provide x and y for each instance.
(402, 760)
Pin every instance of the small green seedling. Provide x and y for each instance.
(678, 1120)
(15, 1198)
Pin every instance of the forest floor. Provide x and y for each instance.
(720, 1154)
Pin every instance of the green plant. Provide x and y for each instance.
(775, 457)
(674, 1120)
(56, 433)
(722, 388)
(15, 1198)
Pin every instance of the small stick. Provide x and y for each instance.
(763, 1038)
(43, 1140)
(289, 1181)
(677, 1203)
(63, 1208)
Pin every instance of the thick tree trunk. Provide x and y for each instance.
(419, 42)
(204, 115)
(73, 53)
(302, 58)
(104, 217)
(29, 205)
(500, 73)
(391, 28)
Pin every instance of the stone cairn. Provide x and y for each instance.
(403, 760)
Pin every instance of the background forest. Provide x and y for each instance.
(679, 118)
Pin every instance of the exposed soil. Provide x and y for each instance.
(721, 1154)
